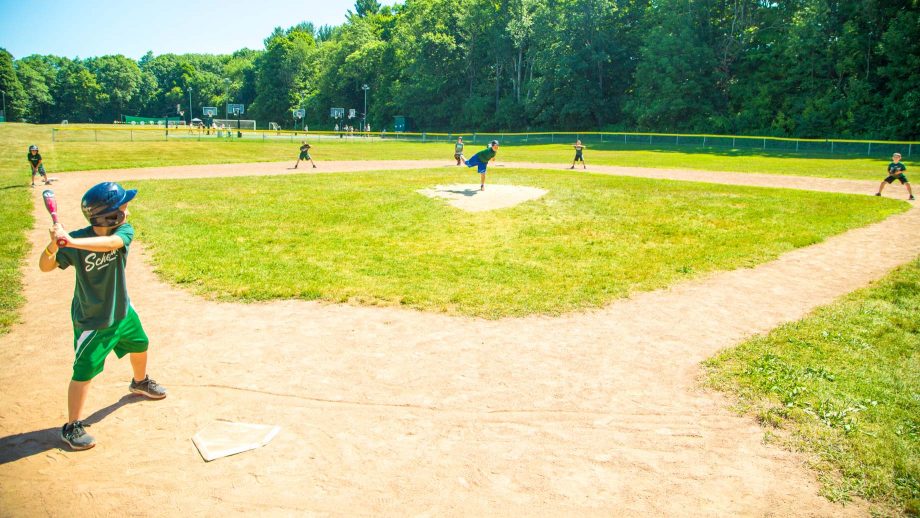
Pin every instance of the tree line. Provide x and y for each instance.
(802, 68)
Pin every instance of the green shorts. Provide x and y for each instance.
(304, 155)
(900, 177)
(91, 346)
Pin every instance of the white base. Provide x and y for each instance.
(225, 438)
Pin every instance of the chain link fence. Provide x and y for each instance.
(605, 139)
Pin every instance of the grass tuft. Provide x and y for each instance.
(845, 384)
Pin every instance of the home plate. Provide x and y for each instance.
(496, 196)
(225, 438)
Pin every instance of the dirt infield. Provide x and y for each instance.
(397, 412)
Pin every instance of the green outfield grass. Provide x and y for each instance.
(844, 384)
(61, 157)
(371, 238)
(710, 159)
(70, 156)
(15, 211)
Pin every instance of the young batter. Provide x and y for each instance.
(103, 318)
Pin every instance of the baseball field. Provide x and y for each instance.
(726, 332)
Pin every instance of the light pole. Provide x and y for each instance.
(4, 105)
(365, 88)
(226, 98)
(190, 106)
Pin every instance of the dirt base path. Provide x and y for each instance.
(397, 412)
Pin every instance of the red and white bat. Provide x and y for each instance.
(51, 205)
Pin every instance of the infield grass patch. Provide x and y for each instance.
(371, 238)
(15, 211)
(844, 384)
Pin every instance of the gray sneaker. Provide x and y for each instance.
(75, 435)
(148, 388)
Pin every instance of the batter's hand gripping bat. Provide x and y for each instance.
(51, 205)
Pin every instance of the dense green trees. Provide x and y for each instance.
(808, 68)
(14, 96)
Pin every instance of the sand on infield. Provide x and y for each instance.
(386, 411)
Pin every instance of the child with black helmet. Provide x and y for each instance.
(481, 162)
(103, 318)
(35, 160)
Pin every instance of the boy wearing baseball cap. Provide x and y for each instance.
(481, 162)
(305, 154)
(896, 172)
(103, 317)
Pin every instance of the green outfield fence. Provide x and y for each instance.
(651, 140)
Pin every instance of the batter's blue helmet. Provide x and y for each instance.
(100, 204)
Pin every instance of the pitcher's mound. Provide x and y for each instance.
(469, 197)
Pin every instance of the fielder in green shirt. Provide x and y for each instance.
(458, 150)
(896, 172)
(103, 318)
(481, 162)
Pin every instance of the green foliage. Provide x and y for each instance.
(283, 73)
(121, 80)
(845, 382)
(37, 75)
(899, 72)
(675, 84)
(809, 68)
(77, 93)
(9, 82)
(364, 8)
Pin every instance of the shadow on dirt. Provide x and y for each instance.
(20, 446)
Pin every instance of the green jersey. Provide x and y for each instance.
(486, 154)
(35, 159)
(458, 148)
(896, 168)
(100, 296)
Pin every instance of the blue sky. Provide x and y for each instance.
(81, 28)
